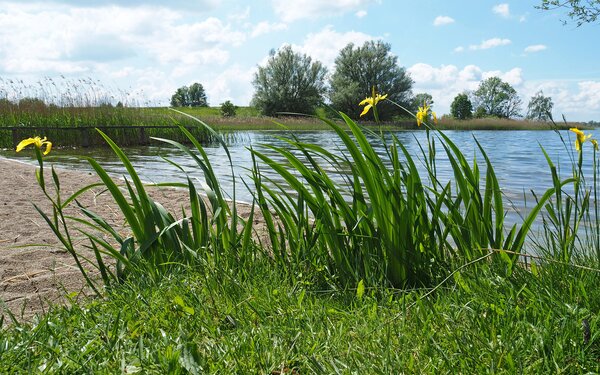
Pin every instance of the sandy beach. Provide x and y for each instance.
(34, 277)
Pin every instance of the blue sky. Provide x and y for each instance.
(149, 48)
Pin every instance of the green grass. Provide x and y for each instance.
(261, 321)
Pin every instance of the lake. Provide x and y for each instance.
(516, 156)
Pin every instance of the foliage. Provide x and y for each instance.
(228, 109)
(580, 11)
(461, 107)
(193, 96)
(359, 69)
(289, 82)
(497, 98)
(540, 107)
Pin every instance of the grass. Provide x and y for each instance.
(392, 271)
(264, 322)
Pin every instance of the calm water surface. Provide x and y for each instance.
(516, 156)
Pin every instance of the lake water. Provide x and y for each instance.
(516, 156)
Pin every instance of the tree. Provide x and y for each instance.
(579, 11)
(419, 100)
(497, 98)
(540, 107)
(193, 96)
(289, 82)
(358, 69)
(228, 109)
(461, 107)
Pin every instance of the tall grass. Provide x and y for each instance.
(385, 226)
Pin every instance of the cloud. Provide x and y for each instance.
(442, 20)
(37, 39)
(200, 5)
(267, 27)
(361, 13)
(502, 10)
(576, 100)
(326, 44)
(535, 48)
(290, 11)
(459, 49)
(490, 43)
(447, 81)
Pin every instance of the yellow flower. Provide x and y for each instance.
(581, 138)
(423, 114)
(37, 142)
(371, 101)
(595, 143)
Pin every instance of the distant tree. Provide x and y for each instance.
(540, 107)
(461, 107)
(193, 96)
(497, 98)
(358, 69)
(419, 99)
(289, 82)
(580, 11)
(228, 109)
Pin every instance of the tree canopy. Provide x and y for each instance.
(461, 107)
(193, 96)
(289, 82)
(495, 97)
(358, 69)
(580, 11)
(540, 107)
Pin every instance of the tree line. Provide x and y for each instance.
(293, 83)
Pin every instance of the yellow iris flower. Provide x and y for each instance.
(423, 114)
(370, 102)
(581, 138)
(595, 143)
(37, 142)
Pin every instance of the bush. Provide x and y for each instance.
(228, 109)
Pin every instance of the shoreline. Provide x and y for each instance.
(35, 272)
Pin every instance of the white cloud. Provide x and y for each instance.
(446, 81)
(513, 76)
(290, 11)
(326, 44)
(235, 84)
(442, 20)
(61, 39)
(267, 27)
(502, 10)
(576, 100)
(490, 43)
(361, 13)
(459, 49)
(535, 48)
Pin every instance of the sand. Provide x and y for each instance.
(32, 278)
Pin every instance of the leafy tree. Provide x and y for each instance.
(540, 107)
(461, 107)
(289, 82)
(358, 69)
(419, 99)
(497, 98)
(193, 96)
(580, 11)
(228, 109)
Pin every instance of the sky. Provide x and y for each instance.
(147, 49)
